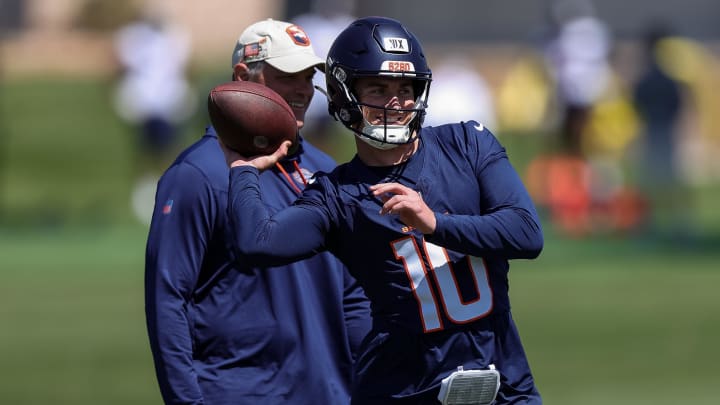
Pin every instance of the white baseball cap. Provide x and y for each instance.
(283, 45)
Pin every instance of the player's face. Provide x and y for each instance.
(389, 94)
(296, 88)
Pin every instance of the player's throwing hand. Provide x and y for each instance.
(260, 162)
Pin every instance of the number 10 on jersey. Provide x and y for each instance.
(440, 274)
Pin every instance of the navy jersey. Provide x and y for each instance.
(224, 332)
(438, 301)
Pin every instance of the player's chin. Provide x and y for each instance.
(300, 121)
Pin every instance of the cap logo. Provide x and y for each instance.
(298, 35)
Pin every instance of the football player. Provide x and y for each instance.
(425, 218)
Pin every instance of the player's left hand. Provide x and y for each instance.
(407, 204)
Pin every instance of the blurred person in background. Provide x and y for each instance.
(577, 55)
(426, 218)
(581, 184)
(658, 99)
(226, 332)
(459, 92)
(153, 95)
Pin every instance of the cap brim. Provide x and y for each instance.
(296, 63)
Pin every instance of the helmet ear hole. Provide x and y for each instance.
(350, 114)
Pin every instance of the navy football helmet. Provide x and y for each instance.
(376, 47)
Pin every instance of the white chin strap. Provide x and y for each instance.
(385, 136)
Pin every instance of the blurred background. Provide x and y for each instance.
(610, 111)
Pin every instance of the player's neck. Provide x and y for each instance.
(376, 157)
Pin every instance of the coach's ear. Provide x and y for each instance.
(241, 72)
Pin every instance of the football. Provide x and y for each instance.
(251, 118)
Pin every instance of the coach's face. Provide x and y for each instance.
(296, 88)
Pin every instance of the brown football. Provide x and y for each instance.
(251, 118)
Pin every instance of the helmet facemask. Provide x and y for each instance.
(386, 136)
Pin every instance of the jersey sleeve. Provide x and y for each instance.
(357, 312)
(294, 233)
(178, 236)
(508, 226)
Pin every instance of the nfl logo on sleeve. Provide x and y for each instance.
(167, 208)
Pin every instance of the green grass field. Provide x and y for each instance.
(604, 320)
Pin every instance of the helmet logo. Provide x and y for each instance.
(397, 66)
(396, 45)
(340, 75)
